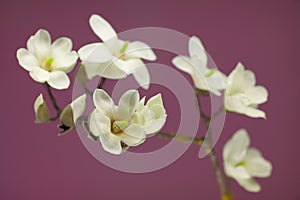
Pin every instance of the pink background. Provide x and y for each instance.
(265, 35)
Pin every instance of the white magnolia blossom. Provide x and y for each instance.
(242, 95)
(196, 65)
(116, 126)
(72, 112)
(41, 109)
(115, 58)
(152, 115)
(243, 163)
(48, 62)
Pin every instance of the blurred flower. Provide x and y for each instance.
(152, 115)
(48, 62)
(243, 163)
(113, 124)
(115, 58)
(41, 110)
(241, 94)
(71, 113)
(197, 66)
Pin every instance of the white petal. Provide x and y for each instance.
(156, 125)
(103, 102)
(65, 62)
(78, 107)
(26, 59)
(142, 76)
(256, 165)
(61, 45)
(196, 49)
(59, 80)
(129, 66)
(155, 100)
(127, 105)
(95, 53)
(40, 75)
(41, 44)
(102, 28)
(235, 103)
(255, 113)
(111, 143)
(249, 184)
(257, 95)
(139, 49)
(134, 135)
(236, 148)
(183, 63)
(99, 123)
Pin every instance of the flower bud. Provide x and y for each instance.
(41, 110)
(71, 113)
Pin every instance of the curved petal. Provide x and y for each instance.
(155, 100)
(249, 184)
(255, 113)
(183, 63)
(111, 143)
(129, 66)
(65, 62)
(62, 45)
(95, 53)
(139, 49)
(156, 125)
(102, 28)
(40, 75)
(127, 105)
(196, 49)
(41, 44)
(59, 80)
(78, 107)
(257, 95)
(103, 102)
(99, 123)
(133, 135)
(235, 104)
(236, 148)
(256, 165)
(26, 59)
(142, 76)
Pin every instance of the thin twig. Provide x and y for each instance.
(54, 103)
(181, 138)
(212, 155)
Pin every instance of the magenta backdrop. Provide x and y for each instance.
(36, 164)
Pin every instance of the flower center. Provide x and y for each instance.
(242, 163)
(47, 65)
(119, 126)
(122, 51)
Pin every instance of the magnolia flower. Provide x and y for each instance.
(48, 62)
(243, 163)
(241, 94)
(115, 58)
(71, 113)
(196, 65)
(41, 109)
(126, 124)
(152, 116)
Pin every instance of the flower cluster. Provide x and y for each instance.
(127, 124)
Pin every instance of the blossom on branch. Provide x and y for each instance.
(115, 58)
(48, 62)
(242, 95)
(117, 125)
(196, 65)
(243, 163)
(41, 110)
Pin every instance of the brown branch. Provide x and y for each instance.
(54, 103)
